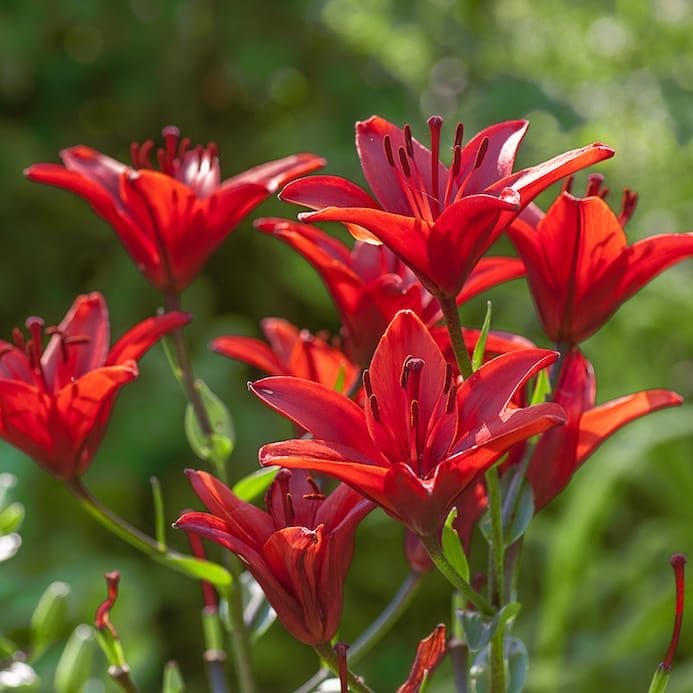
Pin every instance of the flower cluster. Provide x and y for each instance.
(419, 418)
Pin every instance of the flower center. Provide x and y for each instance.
(595, 181)
(198, 168)
(424, 196)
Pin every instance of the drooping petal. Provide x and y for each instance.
(274, 174)
(24, 416)
(15, 364)
(251, 525)
(403, 235)
(531, 181)
(139, 339)
(94, 165)
(249, 350)
(489, 272)
(317, 192)
(597, 424)
(316, 408)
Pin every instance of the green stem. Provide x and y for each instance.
(497, 660)
(242, 652)
(452, 322)
(496, 576)
(129, 534)
(329, 658)
(435, 551)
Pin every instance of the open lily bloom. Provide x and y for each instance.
(299, 551)
(169, 220)
(439, 220)
(579, 266)
(422, 437)
(55, 402)
(369, 283)
(291, 352)
(561, 451)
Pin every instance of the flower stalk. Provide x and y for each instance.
(331, 660)
(452, 321)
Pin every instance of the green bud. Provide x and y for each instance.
(173, 681)
(11, 518)
(48, 618)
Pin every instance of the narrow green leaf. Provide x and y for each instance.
(542, 388)
(340, 380)
(480, 347)
(74, 667)
(478, 630)
(452, 546)
(171, 358)
(159, 514)
(252, 486)
(198, 569)
(257, 612)
(518, 664)
(522, 515)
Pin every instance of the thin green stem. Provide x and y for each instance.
(125, 531)
(329, 658)
(242, 653)
(376, 630)
(497, 660)
(452, 322)
(432, 546)
(497, 548)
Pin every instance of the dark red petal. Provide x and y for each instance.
(429, 654)
(24, 422)
(381, 176)
(316, 408)
(248, 523)
(317, 192)
(142, 337)
(405, 236)
(503, 142)
(274, 174)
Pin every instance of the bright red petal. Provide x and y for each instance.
(138, 340)
(597, 424)
(317, 192)
(489, 272)
(252, 351)
(316, 408)
(274, 174)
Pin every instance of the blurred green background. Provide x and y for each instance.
(271, 78)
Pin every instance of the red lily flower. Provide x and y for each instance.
(291, 352)
(422, 437)
(169, 221)
(580, 269)
(55, 403)
(369, 284)
(562, 451)
(299, 551)
(439, 221)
